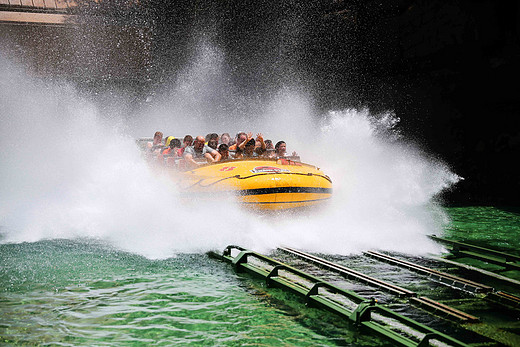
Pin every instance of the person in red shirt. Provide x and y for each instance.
(173, 149)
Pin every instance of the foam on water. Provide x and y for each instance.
(68, 171)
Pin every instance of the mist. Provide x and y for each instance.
(70, 168)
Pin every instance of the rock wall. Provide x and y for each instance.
(468, 55)
(449, 69)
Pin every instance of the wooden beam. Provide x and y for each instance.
(36, 18)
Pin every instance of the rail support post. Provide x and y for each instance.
(273, 273)
(362, 312)
(314, 291)
(426, 339)
(240, 259)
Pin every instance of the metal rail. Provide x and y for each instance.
(349, 273)
(508, 261)
(439, 276)
(491, 293)
(424, 302)
(367, 314)
(481, 272)
(439, 308)
(505, 298)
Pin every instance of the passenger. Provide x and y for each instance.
(223, 149)
(187, 141)
(177, 145)
(241, 144)
(247, 148)
(269, 149)
(167, 141)
(157, 141)
(199, 151)
(281, 150)
(173, 149)
(225, 138)
(241, 137)
(168, 156)
(166, 149)
(260, 147)
(213, 143)
(211, 136)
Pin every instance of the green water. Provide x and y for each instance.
(488, 226)
(82, 292)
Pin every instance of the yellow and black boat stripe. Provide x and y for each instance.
(273, 190)
(279, 190)
(281, 202)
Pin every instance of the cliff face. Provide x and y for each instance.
(467, 55)
(464, 60)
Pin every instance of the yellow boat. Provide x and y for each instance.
(264, 184)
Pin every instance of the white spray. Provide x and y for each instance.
(67, 171)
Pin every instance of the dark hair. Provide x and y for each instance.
(268, 141)
(211, 136)
(213, 144)
(260, 150)
(188, 138)
(175, 143)
(278, 144)
(251, 142)
(223, 147)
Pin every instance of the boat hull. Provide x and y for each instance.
(260, 184)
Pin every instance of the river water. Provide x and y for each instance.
(85, 292)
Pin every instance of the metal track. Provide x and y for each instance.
(349, 273)
(461, 249)
(424, 302)
(367, 314)
(480, 272)
(439, 276)
(505, 298)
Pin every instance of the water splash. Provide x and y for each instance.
(384, 188)
(68, 171)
